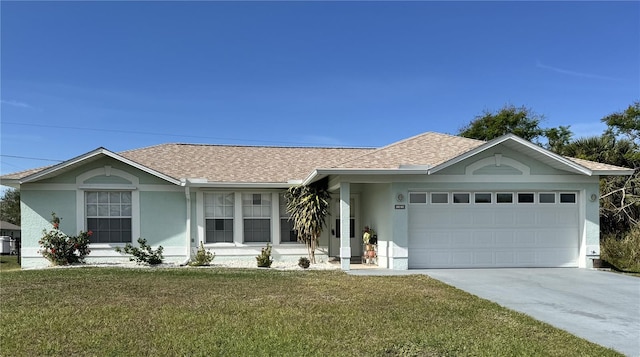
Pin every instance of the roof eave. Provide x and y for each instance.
(322, 173)
(613, 172)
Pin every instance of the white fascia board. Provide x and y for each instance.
(613, 172)
(239, 185)
(566, 162)
(91, 154)
(13, 183)
(321, 173)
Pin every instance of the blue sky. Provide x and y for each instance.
(122, 75)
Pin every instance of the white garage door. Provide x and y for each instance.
(493, 229)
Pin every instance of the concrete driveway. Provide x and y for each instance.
(601, 307)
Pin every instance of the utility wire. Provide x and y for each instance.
(154, 134)
(30, 158)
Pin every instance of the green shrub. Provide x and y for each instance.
(144, 254)
(304, 263)
(61, 249)
(264, 259)
(623, 253)
(203, 257)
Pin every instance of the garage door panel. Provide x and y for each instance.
(493, 235)
(526, 217)
(505, 238)
(483, 218)
(483, 240)
(505, 217)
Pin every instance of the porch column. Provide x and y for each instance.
(345, 220)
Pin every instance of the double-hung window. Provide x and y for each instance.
(256, 211)
(218, 211)
(287, 233)
(109, 216)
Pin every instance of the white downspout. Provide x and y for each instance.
(187, 193)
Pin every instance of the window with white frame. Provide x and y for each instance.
(504, 197)
(567, 197)
(546, 197)
(439, 197)
(109, 216)
(218, 212)
(417, 197)
(287, 233)
(460, 197)
(526, 197)
(482, 197)
(256, 211)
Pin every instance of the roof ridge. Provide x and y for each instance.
(252, 146)
(404, 141)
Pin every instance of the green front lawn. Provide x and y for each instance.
(224, 312)
(8, 263)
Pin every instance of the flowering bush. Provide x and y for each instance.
(61, 249)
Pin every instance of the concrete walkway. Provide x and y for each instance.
(601, 307)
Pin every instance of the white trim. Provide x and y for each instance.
(497, 160)
(275, 222)
(318, 174)
(106, 171)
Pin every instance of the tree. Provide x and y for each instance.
(521, 121)
(620, 195)
(309, 207)
(10, 207)
(625, 123)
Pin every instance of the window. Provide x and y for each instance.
(525, 197)
(461, 198)
(439, 198)
(256, 211)
(218, 211)
(417, 197)
(109, 216)
(287, 234)
(567, 198)
(547, 198)
(504, 197)
(482, 198)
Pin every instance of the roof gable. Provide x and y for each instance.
(88, 157)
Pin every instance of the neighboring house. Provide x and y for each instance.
(9, 229)
(435, 201)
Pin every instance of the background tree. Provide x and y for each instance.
(10, 206)
(520, 121)
(309, 207)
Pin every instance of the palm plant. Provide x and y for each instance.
(308, 207)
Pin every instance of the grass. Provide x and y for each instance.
(226, 312)
(9, 262)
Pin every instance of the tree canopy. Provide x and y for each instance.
(520, 121)
(10, 207)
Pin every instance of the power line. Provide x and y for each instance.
(153, 134)
(30, 158)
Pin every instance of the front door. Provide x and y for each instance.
(334, 223)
